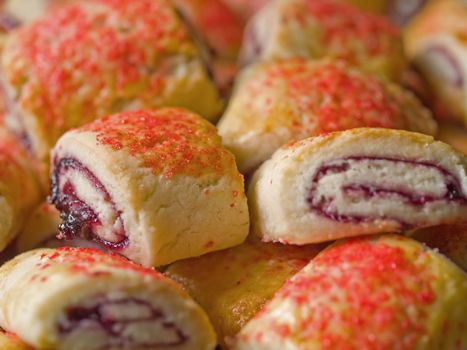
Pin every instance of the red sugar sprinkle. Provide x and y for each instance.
(340, 98)
(169, 141)
(84, 59)
(342, 23)
(372, 285)
(89, 260)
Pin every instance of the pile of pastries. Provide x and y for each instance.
(233, 174)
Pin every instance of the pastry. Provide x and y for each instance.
(436, 44)
(359, 181)
(9, 341)
(277, 102)
(381, 293)
(232, 285)
(324, 28)
(451, 240)
(20, 190)
(83, 299)
(159, 186)
(99, 57)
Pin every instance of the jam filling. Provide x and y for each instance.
(78, 218)
(324, 205)
(117, 318)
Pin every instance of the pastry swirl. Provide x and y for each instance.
(159, 187)
(78, 298)
(355, 182)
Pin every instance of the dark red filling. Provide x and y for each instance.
(117, 327)
(253, 46)
(451, 61)
(78, 218)
(8, 22)
(324, 205)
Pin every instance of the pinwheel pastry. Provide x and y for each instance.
(9, 341)
(83, 299)
(159, 186)
(436, 44)
(451, 240)
(20, 190)
(356, 182)
(382, 293)
(97, 57)
(232, 285)
(324, 28)
(277, 102)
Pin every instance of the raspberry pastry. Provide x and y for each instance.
(20, 190)
(355, 182)
(277, 102)
(98, 57)
(324, 28)
(385, 293)
(241, 278)
(159, 186)
(451, 240)
(83, 299)
(436, 43)
(9, 341)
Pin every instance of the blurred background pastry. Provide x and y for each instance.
(277, 102)
(97, 57)
(325, 28)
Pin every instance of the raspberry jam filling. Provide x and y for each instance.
(451, 71)
(361, 179)
(79, 217)
(127, 323)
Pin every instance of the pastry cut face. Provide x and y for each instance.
(293, 99)
(98, 57)
(20, 190)
(159, 186)
(436, 44)
(83, 299)
(232, 285)
(382, 293)
(324, 28)
(355, 182)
